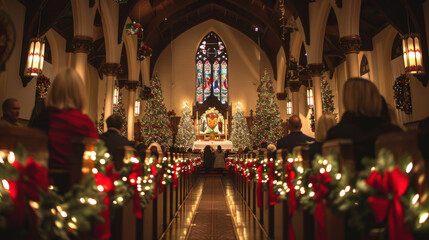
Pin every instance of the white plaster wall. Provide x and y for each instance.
(176, 67)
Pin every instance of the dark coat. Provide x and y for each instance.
(292, 140)
(115, 145)
(363, 131)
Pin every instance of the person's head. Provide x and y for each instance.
(11, 109)
(115, 121)
(155, 149)
(295, 124)
(325, 122)
(271, 147)
(67, 91)
(219, 148)
(264, 145)
(361, 97)
(207, 148)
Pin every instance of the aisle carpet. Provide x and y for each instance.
(212, 220)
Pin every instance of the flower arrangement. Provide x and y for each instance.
(143, 52)
(171, 113)
(134, 28)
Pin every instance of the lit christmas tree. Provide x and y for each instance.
(155, 124)
(185, 134)
(267, 124)
(327, 97)
(118, 108)
(240, 136)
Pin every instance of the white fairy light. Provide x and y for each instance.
(409, 167)
(92, 201)
(100, 188)
(415, 199)
(423, 217)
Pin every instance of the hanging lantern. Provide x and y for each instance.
(116, 96)
(310, 99)
(289, 108)
(137, 108)
(412, 54)
(36, 56)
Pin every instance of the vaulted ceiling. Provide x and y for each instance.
(164, 20)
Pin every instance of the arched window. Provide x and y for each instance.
(364, 67)
(396, 47)
(211, 69)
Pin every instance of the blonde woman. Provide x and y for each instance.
(65, 104)
(362, 121)
(325, 122)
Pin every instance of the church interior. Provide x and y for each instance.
(195, 81)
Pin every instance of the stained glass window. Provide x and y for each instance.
(211, 69)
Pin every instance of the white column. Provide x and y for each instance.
(131, 86)
(109, 71)
(316, 72)
(294, 86)
(351, 47)
(81, 47)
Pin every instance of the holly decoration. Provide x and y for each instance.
(402, 94)
(266, 115)
(42, 86)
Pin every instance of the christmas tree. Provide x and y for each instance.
(240, 136)
(118, 108)
(155, 124)
(185, 134)
(267, 124)
(327, 96)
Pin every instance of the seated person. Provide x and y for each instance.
(325, 122)
(362, 121)
(10, 108)
(296, 137)
(113, 139)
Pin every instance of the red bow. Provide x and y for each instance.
(259, 187)
(175, 181)
(32, 177)
(293, 203)
(320, 189)
(392, 183)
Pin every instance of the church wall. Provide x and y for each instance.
(10, 81)
(244, 67)
(386, 72)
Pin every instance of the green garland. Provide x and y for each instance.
(75, 212)
(402, 94)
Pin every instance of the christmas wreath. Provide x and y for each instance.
(402, 94)
(42, 86)
(143, 52)
(134, 28)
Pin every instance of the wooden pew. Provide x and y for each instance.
(33, 140)
(400, 143)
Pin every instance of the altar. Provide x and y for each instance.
(226, 145)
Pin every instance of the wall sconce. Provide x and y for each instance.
(289, 108)
(310, 99)
(137, 108)
(115, 96)
(36, 57)
(412, 54)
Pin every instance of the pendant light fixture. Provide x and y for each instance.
(36, 54)
(411, 44)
